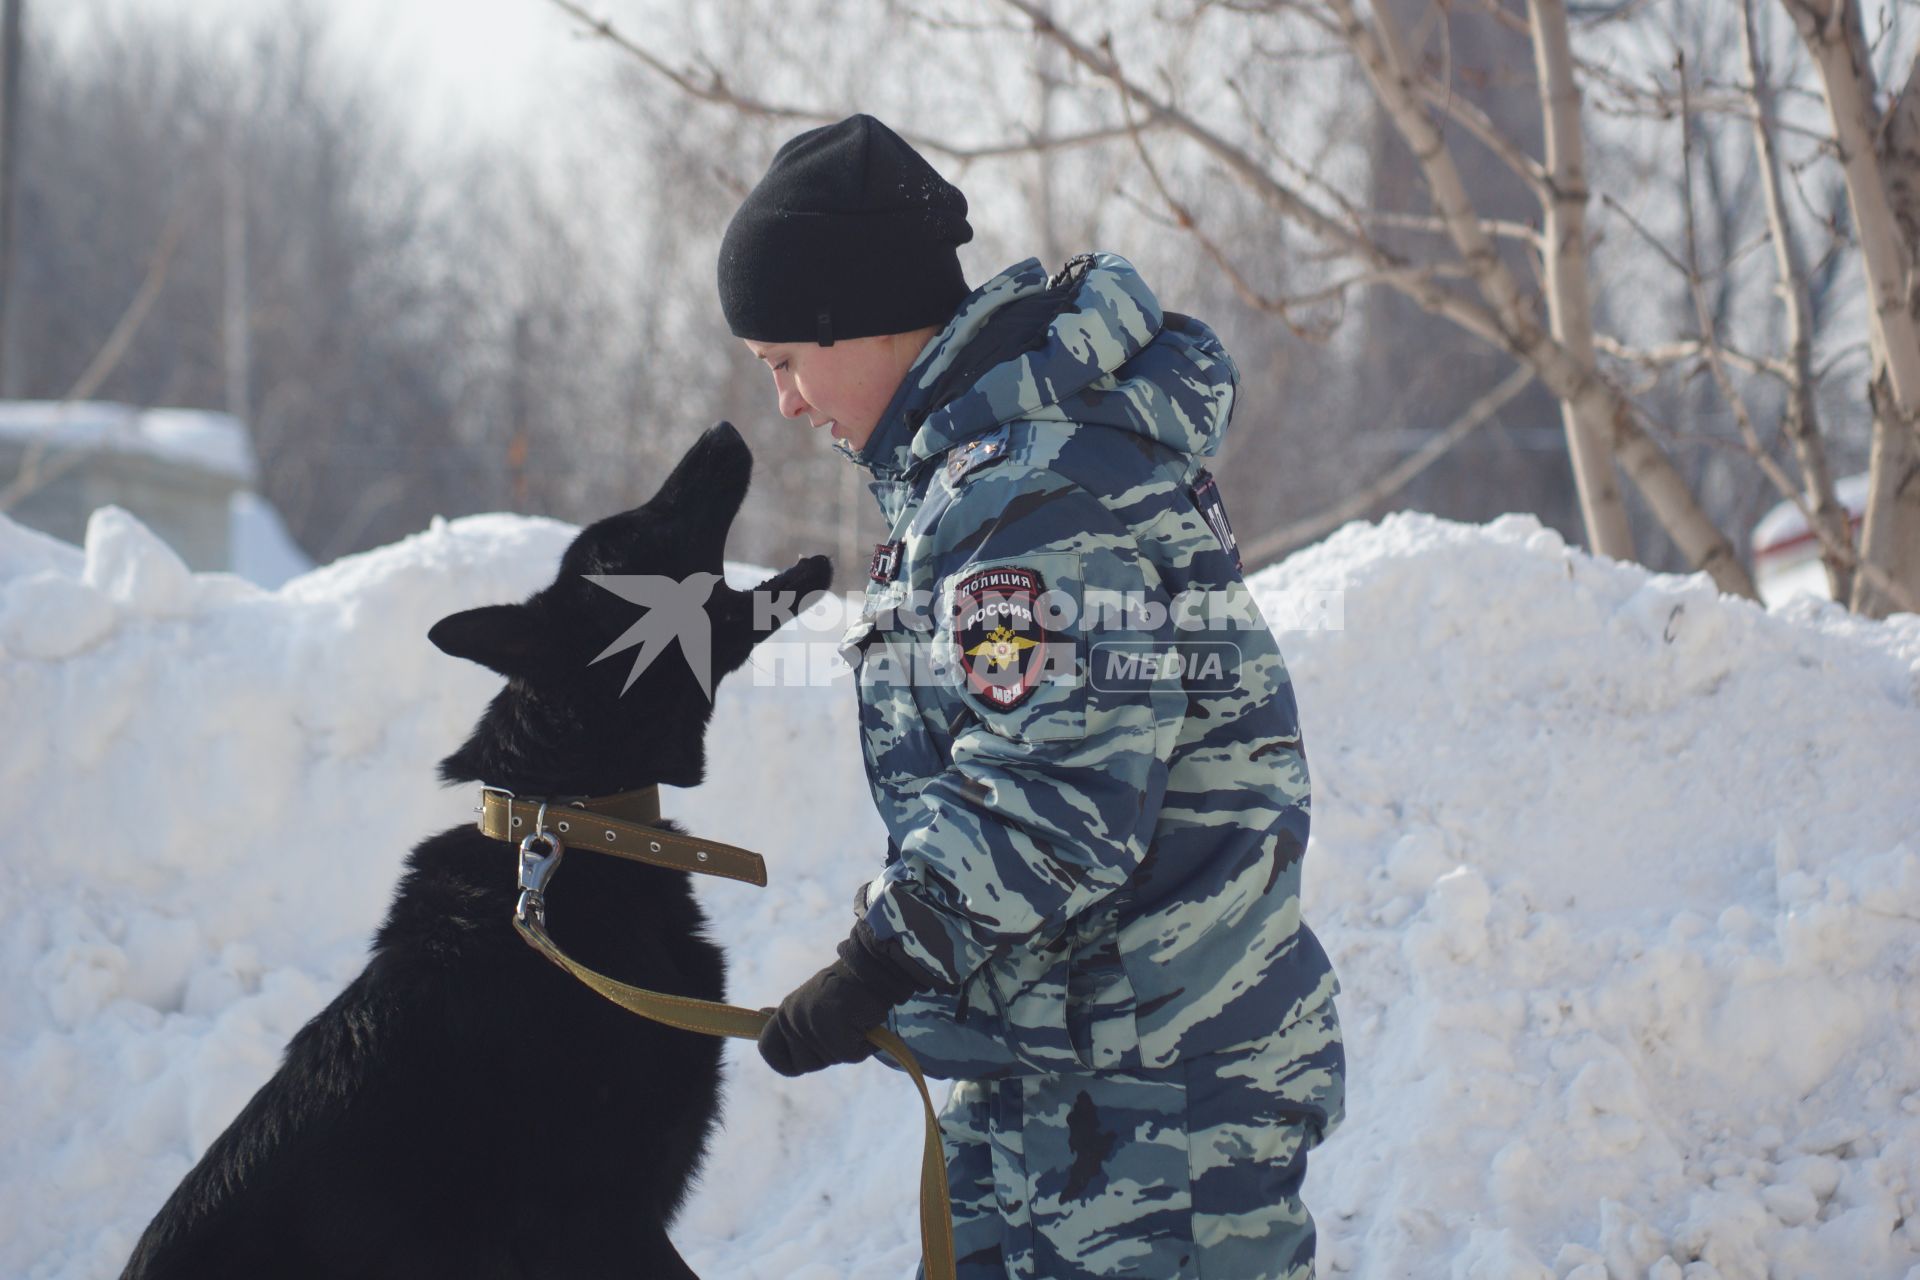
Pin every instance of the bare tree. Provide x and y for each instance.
(294, 285)
(1627, 396)
(12, 65)
(1802, 424)
(40, 464)
(1602, 422)
(922, 65)
(1503, 314)
(556, 340)
(1877, 155)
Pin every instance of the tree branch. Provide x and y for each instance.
(1417, 283)
(1510, 323)
(1279, 543)
(34, 471)
(1184, 218)
(1497, 227)
(715, 89)
(1689, 350)
(1597, 404)
(1284, 307)
(1476, 122)
(1839, 548)
(1802, 421)
(1832, 31)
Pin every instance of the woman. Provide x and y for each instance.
(1079, 734)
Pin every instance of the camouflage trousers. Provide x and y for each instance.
(1189, 1172)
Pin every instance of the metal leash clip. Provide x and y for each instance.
(536, 870)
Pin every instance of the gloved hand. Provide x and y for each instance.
(825, 1019)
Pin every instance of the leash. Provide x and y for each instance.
(624, 826)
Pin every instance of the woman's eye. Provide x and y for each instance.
(777, 368)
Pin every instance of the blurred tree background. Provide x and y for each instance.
(416, 323)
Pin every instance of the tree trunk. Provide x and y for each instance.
(11, 16)
(1590, 399)
(1802, 417)
(236, 306)
(1569, 293)
(1833, 34)
(1890, 536)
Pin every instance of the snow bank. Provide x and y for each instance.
(1621, 878)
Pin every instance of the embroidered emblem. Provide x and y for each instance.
(885, 563)
(976, 453)
(1004, 645)
(1206, 497)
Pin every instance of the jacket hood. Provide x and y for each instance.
(1089, 346)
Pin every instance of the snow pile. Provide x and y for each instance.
(1621, 878)
(1623, 882)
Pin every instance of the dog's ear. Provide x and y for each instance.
(503, 637)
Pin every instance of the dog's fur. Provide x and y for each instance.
(464, 1108)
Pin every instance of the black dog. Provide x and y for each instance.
(464, 1108)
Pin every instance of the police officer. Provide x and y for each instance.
(1078, 732)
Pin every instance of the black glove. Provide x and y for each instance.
(825, 1019)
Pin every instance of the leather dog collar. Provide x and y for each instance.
(624, 824)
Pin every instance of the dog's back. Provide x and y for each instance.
(464, 1108)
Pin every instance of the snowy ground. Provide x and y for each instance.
(1622, 880)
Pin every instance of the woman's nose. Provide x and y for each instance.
(788, 397)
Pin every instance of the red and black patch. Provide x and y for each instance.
(1001, 633)
(885, 565)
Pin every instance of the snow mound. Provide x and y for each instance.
(1620, 876)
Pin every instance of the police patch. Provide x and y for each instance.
(999, 627)
(885, 564)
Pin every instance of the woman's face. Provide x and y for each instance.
(844, 387)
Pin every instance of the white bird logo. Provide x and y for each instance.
(676, 610)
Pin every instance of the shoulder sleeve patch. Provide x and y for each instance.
(1015, 630)
(1002, 638)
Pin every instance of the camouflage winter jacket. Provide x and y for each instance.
(1079, 733)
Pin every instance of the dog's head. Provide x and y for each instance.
(611, 668)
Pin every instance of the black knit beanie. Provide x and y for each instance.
(850, 234)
